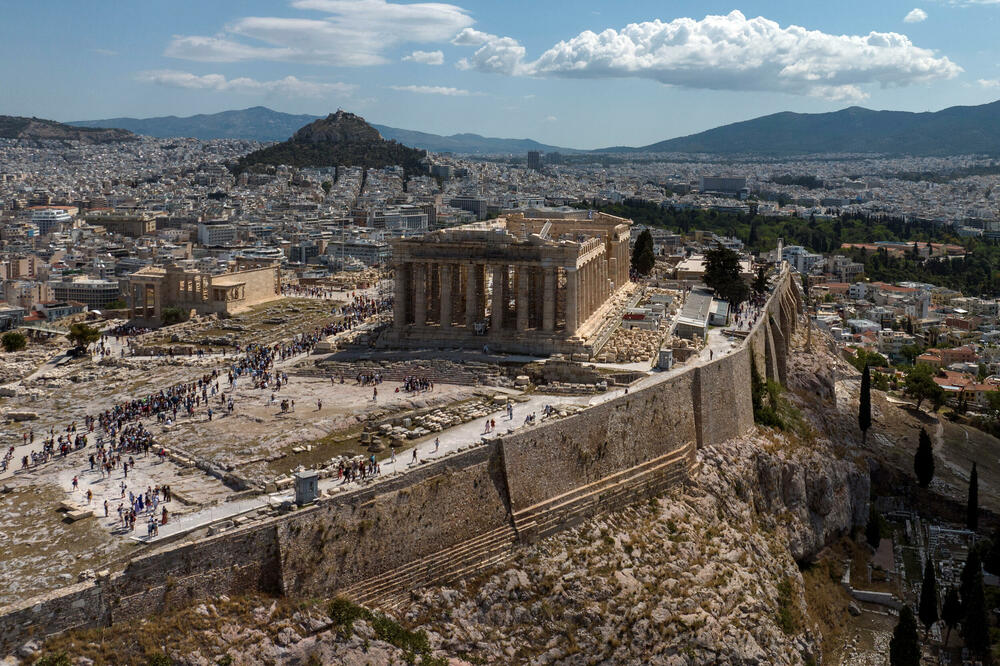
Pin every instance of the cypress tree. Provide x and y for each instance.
(865, 404)
(923, 460)
(904, 648)
(873, 530)
(951, 611)
(928, 610)
(643, 257)
(975, 624)
(972, 508)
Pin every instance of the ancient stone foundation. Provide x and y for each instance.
(452, 517)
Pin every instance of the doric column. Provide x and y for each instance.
(613, 270)
(480, 275)
(471, 294)
(572, 298)
(523, 276)
(434, 289)
(401, 297)
(446, 284)
(499, 298)
(420, 295)
(549, 300)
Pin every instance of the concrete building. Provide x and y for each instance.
(476, 205)
(525, 285)
(157, 287)
(94, 293)
(216, 233)
(534, 160)
(131, 224)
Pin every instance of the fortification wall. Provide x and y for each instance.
(600, 441)
(722, 401)
(337, 544)
(450, 516)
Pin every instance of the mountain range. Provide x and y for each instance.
(951, 131)
(263, 124)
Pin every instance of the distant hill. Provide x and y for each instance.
(260, 123)
(339, 139)
(467, 144)
(952, 131)
(16, 127)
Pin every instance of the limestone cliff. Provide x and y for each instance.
(707, 574)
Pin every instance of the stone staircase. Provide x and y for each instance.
(611, 493)
(391, 589)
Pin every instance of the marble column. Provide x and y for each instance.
(420, 295)
(446, 284)
(523, 276)
(499, 299)
(572, 280)
(471, 294)
(400, 306)
(615, 276)
(549, 300)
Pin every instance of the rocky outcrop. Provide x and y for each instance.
(15, 127)
(339, 127)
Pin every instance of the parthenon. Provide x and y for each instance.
(517, 284)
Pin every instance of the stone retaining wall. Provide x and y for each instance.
(627, 448)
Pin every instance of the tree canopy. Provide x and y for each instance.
(643, 258)
(82, 335)
(865, 404)
(13, 341)
(923, 460)
(919, 384)
(722, 275)
(904, 648)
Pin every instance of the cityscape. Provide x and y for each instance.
(305, 359)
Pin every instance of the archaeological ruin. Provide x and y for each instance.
(173, 286)
(515, 284)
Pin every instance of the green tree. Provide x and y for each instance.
(992, 554)
(919, 384)
(966, 580)
(173, 315)
(911, 352)
(951, 611)
(975, 623)
(972, 507)
(928, 609)
(81, 335)
(722, 275)
(873, 530)
(923, 460)
(904, 648)
(327, 186)
(760, 283)
(643, 257)
(993, 400)
(865, 404)
(13, 341)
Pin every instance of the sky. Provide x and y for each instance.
(580, 74)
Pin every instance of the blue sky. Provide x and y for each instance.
(578, 74)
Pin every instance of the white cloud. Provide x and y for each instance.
(916, 15)
(290, 85)
(353, 33)
(550, 119)
(723, 53)
(989, 83)
(425, 57)
(105, 52)
(435, 90)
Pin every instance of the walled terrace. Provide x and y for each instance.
(453, 516)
